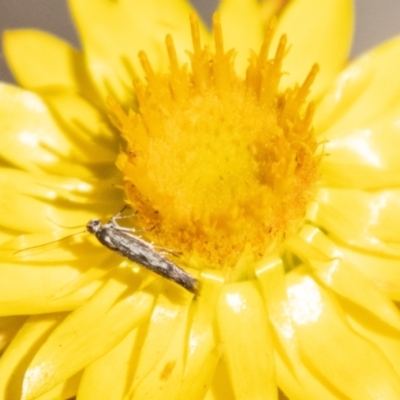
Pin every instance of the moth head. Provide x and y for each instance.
(93, 225)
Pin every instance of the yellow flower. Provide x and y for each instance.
(275, 188)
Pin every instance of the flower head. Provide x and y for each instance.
(262, 176)
(219, 165)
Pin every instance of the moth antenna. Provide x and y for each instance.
(63, 226)
(45, 244)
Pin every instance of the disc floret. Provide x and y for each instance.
(218, 166)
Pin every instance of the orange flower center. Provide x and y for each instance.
(219, 168)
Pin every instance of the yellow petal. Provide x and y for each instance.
(204, 351)
(157, 347)
(33, 202)
(6, 235)
(107, 377)
(163, 379)
(365, 156)
(9, 326)
(115, 309)
(64, 390)
(375, 331)
(271, 276)
(46, 248)
(369, 221)
(21, 351)
(352, 365)
(221, 387)
(340, 275)
(87, 127)
(31, 139)
(238, 16)
(363, 92)
(32, 289)
(293, 377)
(42, 62)
(302, 385)
(243, 327)
(117, 31)
(198, 379)
(33, 215)
(320, 32)
(383, 271)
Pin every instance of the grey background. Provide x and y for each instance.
(376, 21)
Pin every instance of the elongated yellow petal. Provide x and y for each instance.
(356, 367)
(323, 31)
(26, 200)
(163, 379)
(32, 289)
(368, 221)
(365, 156)
(302, 384)
(6, 235)
(204, 350)
(42, 62)
(31, 139)
(198, 378)
(221, 387)
(339, 274)
(379, 333)
(156, 339)
(237, 17)
(64, 390)
(121, 30)
(243, 327)
(383, 271)
(107, 378)
(87, 127)
(9, 326)
(78, 341)
(51, 248)
(366, 90)
(271, 276)
(19, 354)
(293, 377)
(33, 216)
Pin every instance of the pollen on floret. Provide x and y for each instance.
(218, 166)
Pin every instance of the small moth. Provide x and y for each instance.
(122, 241)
